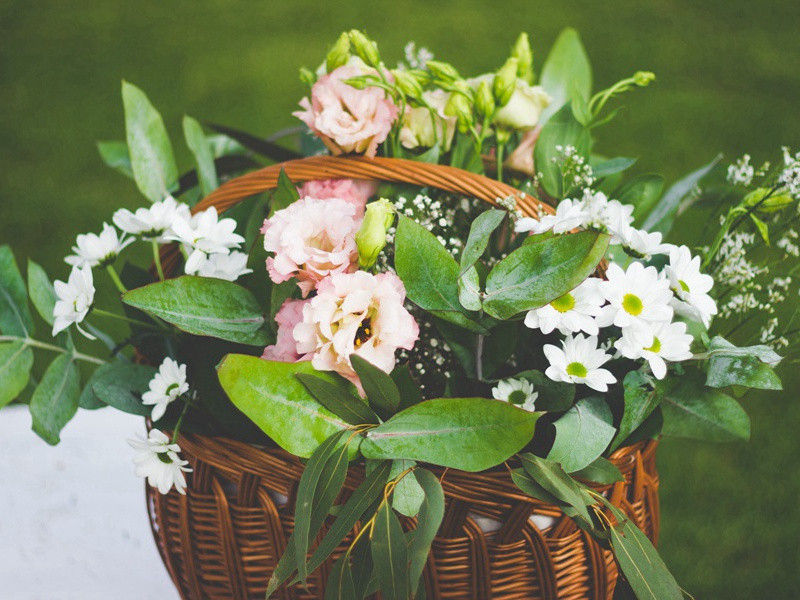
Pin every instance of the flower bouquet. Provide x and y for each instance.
(429, 351)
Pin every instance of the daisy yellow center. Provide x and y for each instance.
(364, 333)
(517, 397)
(632, 304)
(564, 304)
(576, 369)
(683, 285)
(656, 347)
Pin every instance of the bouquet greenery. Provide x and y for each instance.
(406, 327)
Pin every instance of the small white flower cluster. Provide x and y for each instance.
(741, 172)
(788, 243)
(574, 168)
(441, 219)
(510, 204)
(417, 58)
(790, 176)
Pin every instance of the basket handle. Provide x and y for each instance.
(396, 170)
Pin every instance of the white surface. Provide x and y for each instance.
(73, 522)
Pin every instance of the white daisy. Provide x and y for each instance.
(516, 391)
(572, 312)
(607, 215)
(664, 342)
(225, 266)
(205, 234)
(569, 215)
(167, 385)
(94, 250)
(153, 222)
(157, 460)
(637, 297)
(75, 298)
(690, 286)
(643, 244)
(579, 361)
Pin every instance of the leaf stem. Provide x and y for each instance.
(115, 278)
(105, 313)
(52, 347)
(157, 259)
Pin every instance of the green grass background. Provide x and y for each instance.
(727, 81)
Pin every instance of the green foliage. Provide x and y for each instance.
(480, 232)
(41, 291)
(407, 495)
(751, 366)
(55, 400)
(203, 156)
(204, 306)
(556, 482)
(643, 192)
(611, 166)
(582, 434)
(285, 193)
(339, 401)
(554, 396)
(15, 316)
(641, 399)
(471, 434)
(121, 385)
(431, 513)
(562, 130)
(390, 554)
(379, 387)
(16, 361)
(566, 73)
(600, 470)
(114, 154)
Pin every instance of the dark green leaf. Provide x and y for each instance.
(554, 479)
(41, 291)
(271, 395)
(536, 274)
(337, 400)
(566, 73)
(204, 306)
(279, 294)
(152, 159)
(640, 400)
(340, 584)
(582, 434)
(431, 513)
(362, 568)
(381, 391)
(600, 471)
(121, 385)
(256, 144)
(88, 400)
(196, 140)
(554, 396)
(529, 485)
(612, 166)
(390, 554)
(55, 400)
(285, 193)
(15, 316)
(410, 394)
(16, 361)
(471, 434)
(561, 130)
(643, 192)
(478, 239)
(115, 155)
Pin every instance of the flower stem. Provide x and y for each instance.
(177, 429)
(115, 278)
(500, 148)
(157, 259)
(52, 347)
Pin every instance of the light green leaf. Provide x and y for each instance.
(535, 274)
(601, 471)
(762, 228)
(43, 296)
(431, 513)
(643, 192)
(640, 400)
(582, 434)
(55, 400)
(471, 434)
(121, 385)
(390, 554)
(561, 130)
(152, 159)
(479, 234)
(469, 289)
(204, 306)
(566, 73)
(747, 371)
(15, 316)
(115, 155)
(16, 361)
(275, 400)
(407, 495)
(720, 347)
(196, 140)
(612, 166)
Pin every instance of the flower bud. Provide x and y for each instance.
(307, 76)
(524, 55)
(458, 106)
(505, 80)
(339, 54)
(371, 236)
(484, 101)
(407, 83)
(442, 70)
(644, 78)
(366, 49)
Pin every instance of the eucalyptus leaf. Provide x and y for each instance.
(480, 232)
(407, 496)
(390, 554)
(431, 513)
(15, 316)
(410, 393)
(88, 400)
(720, 347)
(379, 387)
(469, 290)
(601, 470)
(747, 371)
(582, 434)
(471, 434)
(114, 154)
(337, 400)
(203, 156)
(554, 396)
(121, 385)
(641, 399)
(270, 394)
(204, 306)
(552, 477)
(340, 585)
(566, 73)
(16, 361)
(55, 400)
(523, 480)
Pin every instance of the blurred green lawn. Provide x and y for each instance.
(727, 80)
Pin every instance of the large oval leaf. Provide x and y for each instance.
(566, 73)
(15, 317)
(121, 385)
(204, 306)
(55, 401)
(471, 434)
(16, 360)
(275, 400)
(582, 434)
(536, 274)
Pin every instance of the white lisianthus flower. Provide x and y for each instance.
(423, 129)
(153, 222)
(93, 250)
(525, 107)
(570, 214)
(75, 298)
(203, 235)
(579, 361)
(637, 297)
(664, 342)
(167, 385)
(225, 266)
(690, 286)
(643, 244)
(516, 391)
(573, 312)
(158, 461)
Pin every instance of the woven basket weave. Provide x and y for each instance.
(224, 537)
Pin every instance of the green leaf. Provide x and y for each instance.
(152, 159)
(747, 371)
(41, 291)
(390, 554)
(121, 385)
(15, 316)
(695, 411)
(270, 394)
(761, 227)
(16, 361)
(719, 347)
(362, 568)
(561, 130)
(566, 73)
(530, 486)
(471, 434)
(115, 155)
(582, 434)
(431, 513)
(643, 192)
(536, 274)
(256, 144)
(552, 477)
(198, 144)
(55, 401)
(662, 216)
(337, 400)
(478, 239)
(429, 273)
(340, 585)
(469, 290)
(379, 387)
(640, 400)
(554, 396)
(204, 306)
(407, 495)
(285, 193)
(88, 400)
(410, 394)
(601, 471)
(612, 166)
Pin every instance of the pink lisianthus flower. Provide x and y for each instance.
(355, 191)
(347, 119)
(356, 313)
(285, 348)
(311, 239)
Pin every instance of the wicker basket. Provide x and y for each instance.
(224, 537)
